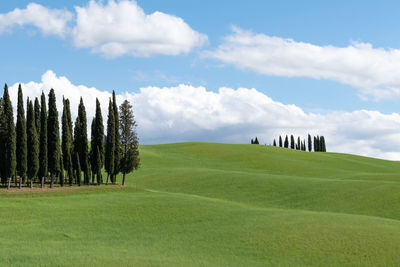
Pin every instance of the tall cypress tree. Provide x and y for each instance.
(92, 153)
(309, 143)
(67, 141)
(322, 144)
(97, 143)
(280, 141)
(43, 139)
(8, 138)
(81, 141)
(110, 142)
(21, 146)
(274, 144)
(2, 142)
(53, 134)
(286, 144)
(291, 141)
(69, 119)
(32, 143)
(315, 144)
(298, 143)
(117, 147)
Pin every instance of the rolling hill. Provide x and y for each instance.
(204, 204)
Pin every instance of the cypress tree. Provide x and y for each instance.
(92, 153)
(66, 141)
(69, 120)
(129, 140)
(274, 144)
(97, 142)
(32, 143)
(280, 141)
(322, 146)
(252, 142)
(53, 135)
(110, 142)
(298, 143)
(256, 141)
(21, 145)
(37, 116)
(292, 142)
(315, 144)
(43, 139)
(286, 144)
(319, 143)
(81, 141)
(309, 143)
(2, 142)
(117, 147)
(8, 139)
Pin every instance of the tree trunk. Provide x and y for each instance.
(93, 175)
(20, 182)
(9, 183)
(42, 182)
(31, 182)
(123, 179)
(52, 181)
(108, 177)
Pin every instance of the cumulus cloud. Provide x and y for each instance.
(123, 28)
(374, 71)
(112, 29)
(188, 113)
(49, 21)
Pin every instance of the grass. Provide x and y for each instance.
(201, 204)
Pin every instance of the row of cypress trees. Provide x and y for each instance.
(32, 150)
(319, 143)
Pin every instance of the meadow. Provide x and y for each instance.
(205, 204)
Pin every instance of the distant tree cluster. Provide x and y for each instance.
(33, 152)
(255, 141)
(318, 142)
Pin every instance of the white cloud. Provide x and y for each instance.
(122, 28)
(188, 113)
(49, 21)
(374, 71)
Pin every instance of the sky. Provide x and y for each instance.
(218, 71)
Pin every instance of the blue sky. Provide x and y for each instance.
(28, 52)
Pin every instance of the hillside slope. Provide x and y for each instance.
(201, 204)
(265, 176)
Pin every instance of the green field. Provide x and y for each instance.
(201, 204)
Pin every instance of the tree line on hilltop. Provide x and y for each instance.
(318, 142)
(32, 150)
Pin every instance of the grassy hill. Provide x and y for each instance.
(201, 204)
